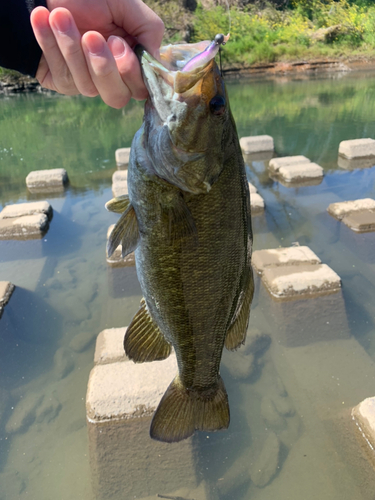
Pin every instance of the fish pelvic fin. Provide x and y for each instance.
(125, 232)
(236, 333)
(143, 339)
(119, 204)
(182, 411)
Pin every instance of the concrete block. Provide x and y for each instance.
(276, 257)
(6, 290)
(47, 179)
(300, 172)
(22, 209)
(24, 228)
(110, 346)
(345, 208)
(257, 204)
(252, 188)
(364, 417)
(120, 183)
(125, 461)
(256, 144)
(357, 148)
(116, 259)
(301, 280)
(286, 161)
(260, 157)
(122, 156)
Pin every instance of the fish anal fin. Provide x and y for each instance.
(143, 339)
(182, 411)
(125, 232)
(236, 333)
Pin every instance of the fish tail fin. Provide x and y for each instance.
(182, 411)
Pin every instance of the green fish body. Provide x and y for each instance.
(188, 217)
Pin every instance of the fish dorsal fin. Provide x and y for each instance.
(236, 333)
(125, 232)
(143, 339)
(119, 204)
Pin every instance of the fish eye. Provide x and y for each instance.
(217, 105)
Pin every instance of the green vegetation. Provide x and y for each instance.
(289, 30)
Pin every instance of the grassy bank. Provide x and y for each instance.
(263, 33)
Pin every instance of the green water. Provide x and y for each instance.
(66, 291)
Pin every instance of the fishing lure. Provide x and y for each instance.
(208, 53)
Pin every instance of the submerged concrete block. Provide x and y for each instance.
(44, 180)
(110, 346)
(24, 228)
(122, 156)
(276, 257)
(355, 163)
(120, 183)
(256, 144)
(357, 148)
(116, 259)
(6, 290)
(358, 215)
(22, 209)
(301, 297)
(364, 417)
(121, 399)
(286, 161)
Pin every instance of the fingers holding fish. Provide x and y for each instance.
(103, 70)
(128, 67)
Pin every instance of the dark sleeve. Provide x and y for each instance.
(19, 49)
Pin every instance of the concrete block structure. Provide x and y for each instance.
(364, 417)
(25, 220)
(256, 144)
(6, 290)
(357, 148)
(294, 171)
(121, 399)
(120, 183)
(116, 259)
(358, 215)
(256, 201)
(47, 180)
(302, 295)
(122, 156)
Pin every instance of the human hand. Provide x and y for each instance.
(87, 47)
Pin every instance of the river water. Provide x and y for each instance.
(66, 295)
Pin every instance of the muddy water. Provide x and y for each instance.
(290, 412)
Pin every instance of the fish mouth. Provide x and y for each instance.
(173, 59)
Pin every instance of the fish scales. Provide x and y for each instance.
(193, 250)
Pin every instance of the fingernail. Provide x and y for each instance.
(156, 54)
(117, 46)
(95, 44)
(62, 23)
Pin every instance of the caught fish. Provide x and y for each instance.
(187, 216)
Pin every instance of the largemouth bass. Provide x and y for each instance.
(187, 216)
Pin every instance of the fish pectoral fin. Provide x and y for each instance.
(182, 411)
(143, 339)
(180, 221)
(236, 333)
(125, 232)
(119, 204)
